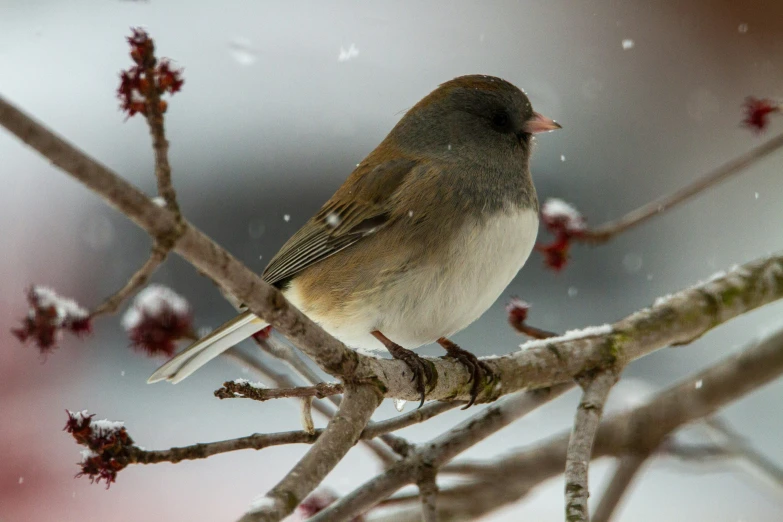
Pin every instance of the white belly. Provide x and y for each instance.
(437, 301)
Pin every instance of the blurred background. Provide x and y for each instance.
(281, 101)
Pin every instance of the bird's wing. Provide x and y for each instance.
(359, 208)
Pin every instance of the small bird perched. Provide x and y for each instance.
(420, 240)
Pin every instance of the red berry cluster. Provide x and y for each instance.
(565, 223)
(48, 317)
(108, 446)
(149, 76)
(157, 319)
(517, 311)
(757, 112)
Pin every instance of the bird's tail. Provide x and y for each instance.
(207, 348)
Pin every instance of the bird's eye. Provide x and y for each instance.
(500, 121)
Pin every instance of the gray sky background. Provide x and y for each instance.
(270, 122)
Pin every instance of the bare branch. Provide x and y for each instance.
(342, 433)
(153, 113)
(694, 452)
(283, 380)
(137, 280)
(201, 451)
(307, 414)
(399, 422)
(246, 390)
(607, 231)
(627, 468)
(580, 445)
(439, 451)
(293, 360)
(640, 430)
(428, 491)
(739, 447)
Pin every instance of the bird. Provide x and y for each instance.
(419, 241)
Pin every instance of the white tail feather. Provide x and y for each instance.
(207, 348)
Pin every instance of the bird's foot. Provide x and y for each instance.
(421, 369)
(478, 370)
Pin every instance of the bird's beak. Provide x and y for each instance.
(540, 123)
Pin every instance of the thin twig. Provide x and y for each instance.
(699, 453)
(260, 441)
(626, 470)
(580, 445)
(160, 145)
(307, 415)
(532, 331)
(738, 445)
(289, 355)
(399, 422)
(246, 390)
(282, 380)
(607, 231)
(201, 451)
(137, 280)
(343, 431)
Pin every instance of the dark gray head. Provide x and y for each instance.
(475, 117)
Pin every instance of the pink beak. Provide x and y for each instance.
(540, 123)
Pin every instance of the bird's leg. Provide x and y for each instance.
(422, 372)
(478, 370)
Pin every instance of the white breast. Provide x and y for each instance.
(439, 300)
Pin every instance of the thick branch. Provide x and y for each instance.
(685, 317)
(627, 469)
(580, 444)
(341, 434)
(607, 231)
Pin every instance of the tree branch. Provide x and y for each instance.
(580, 444)
(607, 231)
(627, 468)
(399, 422)
(438, 452)
(639, 431)
(256, 441)
(428, 491)
(247, 390)
(137, 280)
(341, 434)
(282, 380)
(739, 447)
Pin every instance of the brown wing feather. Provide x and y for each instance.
(357, 209)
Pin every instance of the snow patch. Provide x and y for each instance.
(570, 335)
(152, 301)
(65, 308)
